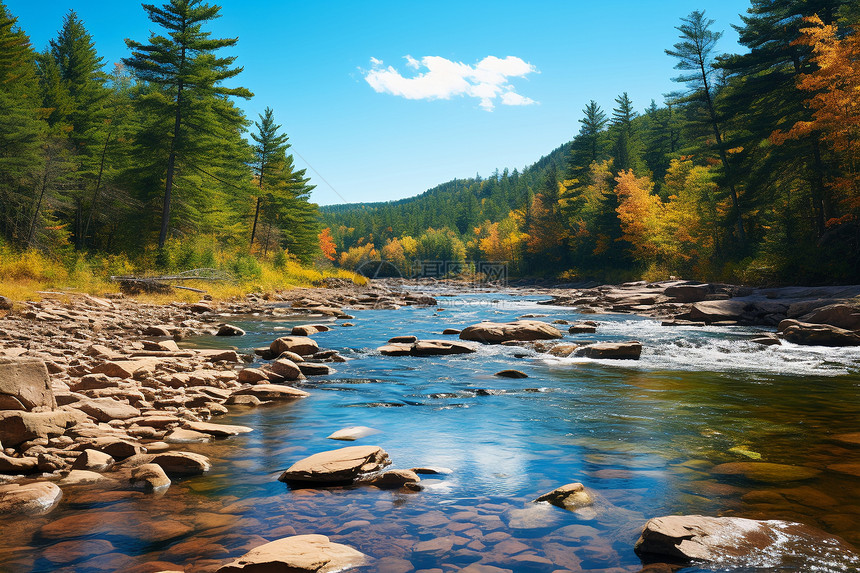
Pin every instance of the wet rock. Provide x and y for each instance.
(817, 334)
(451, 331)
(229, 330)
(395, 349)
(611, 350)
(563, 350)
(571, 496)
(840, 315)
(218, 430)
(344, 465)
(403, 340)
(766, 340)
(440, 348)
(182, 463)
(107, 409)
(395, 479)
(71, 551)
(36, 498)
(25, 381)
(495, 332)
(183, 436)
(352, 433)
(133, 525)
(718, 310)
(150, 478)
(94, 461)
(301, 345)
(433, 470)
(247, 401)
(272, 392)
(298, 554)
(737, 541)
(852, 438)
(512, 374)
(766, 472)
(286, 369)
(252, 375)
(582, 329)
(315, 369)
(308, 329)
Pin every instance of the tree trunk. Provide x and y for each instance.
(32, 231)
(171, 160)
(96, 190)
(257, 210)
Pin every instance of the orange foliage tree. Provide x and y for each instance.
(327, 246)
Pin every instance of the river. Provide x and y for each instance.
(642, 435)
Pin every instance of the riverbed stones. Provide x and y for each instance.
(182, 463)
(735, 540)
(31, 499)
(25, 385)
(183, 436)
(582, 329)
(395, 479)
(511, 374)
(308, 329)
(498, 332)
(286, 369)
(218, 430)
(107, 409)
(344, 465)
(841, 315)
(718, 311)
(611, 351)
(571, 497)
(301, 345)
(425, 348)
(19, 427)
(252, 375)
(298, 554)
(766, 472)
(688, 292)
(151, 478)
(315, 369)
(817, 334)
(272, 392)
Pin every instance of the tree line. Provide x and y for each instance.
(145, 156)
(750, 171)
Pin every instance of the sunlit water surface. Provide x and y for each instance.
(641, 435)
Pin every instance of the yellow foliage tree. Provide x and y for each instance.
(640, 213)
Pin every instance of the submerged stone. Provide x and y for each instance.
(766, 472)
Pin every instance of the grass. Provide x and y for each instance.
(25, 275)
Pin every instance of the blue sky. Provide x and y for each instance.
(311, 62)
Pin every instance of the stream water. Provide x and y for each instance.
(643, 436)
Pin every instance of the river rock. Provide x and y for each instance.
(229, 330)
(218, 430)
(395, 349)
(308, 329)
(272, 392)
(286, 369)
(737, 541)
(688, 293)
(243, 400)
(840, 315)
(344, 465)
(183, 436)
(497, 332)
(582, 329)
(94, 461)
(817, 334)
(87, 477)
(25, 385)
(252, 375)
(440, 348)
(107, 409)
(36, 498)
(301, 345)
(22, 465)
(117, 448)
(298, 554)
(403, 339)
(182, 463)
(395, 479)
(611, 350)
(571, 496)
(19, 427)
(717, 310)
(563, 350)
(352, 433)
(151, 478)
(315, 369)
(511, 374)
(766, 472)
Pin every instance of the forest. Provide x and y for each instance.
(148, 165)
(749, 172)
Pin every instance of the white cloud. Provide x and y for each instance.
(443, 79)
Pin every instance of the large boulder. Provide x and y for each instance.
(182, 463)
(571, 496)
(611, 350)
(308, 329)
(497, 332)
(151, 478)
(19, 427)
(107, 409)
(298, 554)
(344, 465)
(425, 348)
(688, 293)
(286, 369)
(737, 541)
(25, 385)
(840, 315)
(817, 334)
(301, 345)
(94, 461)
(36, 498)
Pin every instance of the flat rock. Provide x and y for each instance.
(86, 477)
(352, 433)
(18, 427)
(252, 375)
(735, 541)
(344, 465)
(218, 430)
(611, 350)
(817, 334)
(582, 329)
(440, 348)
(107, 409)
(394, 479)
(36, 498)
(718, 310)
(497, 332)
(766, 472)
(26, 381)
(94, 461)
(315, 369)
(272, 392)
(410, 339)
(298, 554)
(182, 463)
(184, 436)
(308, 329)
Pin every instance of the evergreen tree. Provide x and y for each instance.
(270, 145)
(188, 78)
(695, 60)
(587, 146)
(626, 151)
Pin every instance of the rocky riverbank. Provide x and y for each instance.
(97, 390)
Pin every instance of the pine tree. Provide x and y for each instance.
(695, 60)
(588, 144)
(188, 77)
(626, 152)
(269, 146)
